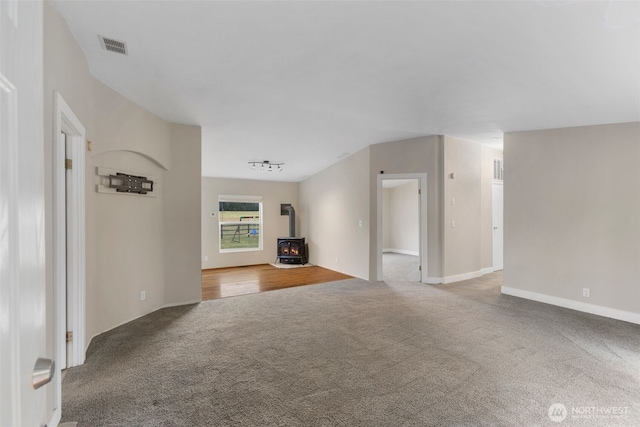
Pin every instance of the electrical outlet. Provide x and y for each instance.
(586, 292)
(206, 257)
(360, 223)
(453, 224)
(337, 260)
(143, 295)
(453, 200)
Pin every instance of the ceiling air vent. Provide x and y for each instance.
(113, 45)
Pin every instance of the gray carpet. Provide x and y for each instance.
(354, 353)
(400, 267)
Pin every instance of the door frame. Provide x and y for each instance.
(422, 187)
(498, 184)
(68, 283)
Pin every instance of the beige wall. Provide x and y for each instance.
(124, 126)
(124, 136)
(332, 203)
(462, 245)
(125, 266)
(486, 218)
(386, 217)
(182, 206)
(274, 224)
(572, 215)
(128, 245)
(401, 220)
(418, 155)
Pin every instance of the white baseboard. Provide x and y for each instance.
(461, 277)
(137, 317)
(456, 278)
(598, 310)
(401, 251)
(487, 270)
(55, 418)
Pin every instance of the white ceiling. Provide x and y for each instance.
(306, 83)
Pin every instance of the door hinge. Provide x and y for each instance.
(419, 191)
(420, 267)
(68, 163)
(69, 336)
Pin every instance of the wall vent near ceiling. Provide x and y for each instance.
(113, 45)
(498, 171)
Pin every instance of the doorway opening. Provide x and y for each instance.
(402, 228)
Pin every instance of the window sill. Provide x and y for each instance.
(228, 251)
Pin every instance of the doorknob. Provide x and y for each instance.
(495, 228)
(43, 372)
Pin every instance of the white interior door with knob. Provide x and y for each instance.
(22, 234)
(497, 197)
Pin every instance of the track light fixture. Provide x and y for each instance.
(266, 165)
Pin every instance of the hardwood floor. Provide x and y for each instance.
(233, 281)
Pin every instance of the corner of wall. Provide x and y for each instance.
(461, 207)
(182, 225)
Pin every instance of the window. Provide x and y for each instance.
(240, 219)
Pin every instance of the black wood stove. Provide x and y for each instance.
(292, 250)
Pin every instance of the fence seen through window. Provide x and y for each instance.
(240, 225)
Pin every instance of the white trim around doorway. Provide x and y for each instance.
(69, 278)
(422, 186)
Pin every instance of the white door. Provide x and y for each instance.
(22, 234)
(498, 234)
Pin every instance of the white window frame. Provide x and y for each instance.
(260, 222)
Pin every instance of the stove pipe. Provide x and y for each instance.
(292, 221)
